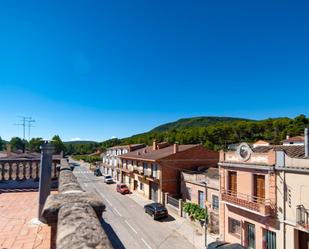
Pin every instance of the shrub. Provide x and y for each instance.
(195, 211)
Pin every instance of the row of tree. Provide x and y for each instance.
(216, 136)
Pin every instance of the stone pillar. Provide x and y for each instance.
(47, 150)
(165, 198)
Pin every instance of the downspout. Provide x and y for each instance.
(284, 210)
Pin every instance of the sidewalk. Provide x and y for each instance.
(181, 225)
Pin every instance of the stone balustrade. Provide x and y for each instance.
(74, 215)
(23, 169)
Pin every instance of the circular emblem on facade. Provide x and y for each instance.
(244, 151)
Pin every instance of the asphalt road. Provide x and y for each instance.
(125, 222)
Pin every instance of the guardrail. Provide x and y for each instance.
(74, 215)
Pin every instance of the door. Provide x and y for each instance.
(232, 182)
(250, 236)
(259, 187)
(135, 184)
(303, 239)
(154, 192)
(201, 199)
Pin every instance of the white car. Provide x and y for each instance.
(108, 179)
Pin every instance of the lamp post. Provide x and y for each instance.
(206, 213)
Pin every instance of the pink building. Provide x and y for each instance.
(248, 196)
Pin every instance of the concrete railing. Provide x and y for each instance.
(74, 215)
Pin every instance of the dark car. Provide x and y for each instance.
(224, 245)
(97, 172)
(156, 210)
(122, 188)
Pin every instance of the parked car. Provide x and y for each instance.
(108, 179)
(156, 210)
(122, 188)
(225, 245)
(97, 172)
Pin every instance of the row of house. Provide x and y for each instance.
(256, 194)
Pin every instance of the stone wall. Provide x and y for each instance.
(74, 215)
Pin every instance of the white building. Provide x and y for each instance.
(110, 158)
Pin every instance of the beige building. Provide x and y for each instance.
(292, 169)
(193, 190)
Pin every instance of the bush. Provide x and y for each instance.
(86, 158)
(195, 211)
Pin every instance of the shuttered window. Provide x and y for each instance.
(259, 187)
(232, 182)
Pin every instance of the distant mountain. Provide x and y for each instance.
(196, 122)
(80, 142)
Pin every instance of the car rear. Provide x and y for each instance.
(160, 212)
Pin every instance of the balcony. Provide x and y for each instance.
(249, 203)
(302, 216)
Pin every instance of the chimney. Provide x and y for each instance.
(154, 145)
(306, 142)
(129, 147)
(176, 147)
(287, 137)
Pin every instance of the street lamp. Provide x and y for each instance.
(206, 213)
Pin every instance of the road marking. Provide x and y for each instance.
(109, 202)
(130, 226)
(146, 244)
(118, 212)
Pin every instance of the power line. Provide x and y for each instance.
(26, 121)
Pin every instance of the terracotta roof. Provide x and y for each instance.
(133, 146)
(149, 154)
(294, 151)
(294, 139)
(26, 156)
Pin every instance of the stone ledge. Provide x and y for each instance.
(79, 227)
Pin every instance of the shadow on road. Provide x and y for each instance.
(168, 219)
(112, 236)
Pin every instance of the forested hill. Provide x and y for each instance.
(195, 122)
(221, 133)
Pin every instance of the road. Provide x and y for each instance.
(125, 222)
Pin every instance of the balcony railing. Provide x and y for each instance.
(265, 207)
(302, 216)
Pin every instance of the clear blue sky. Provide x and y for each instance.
(97, 69)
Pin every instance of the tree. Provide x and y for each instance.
(59, 145)
(34, 144)
(17, 144)
(1, 144)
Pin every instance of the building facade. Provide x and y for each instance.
(193, 189)
(292, 169)
(248, 197)
(155, 170)
(110, 158)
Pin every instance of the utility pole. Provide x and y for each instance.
(23, 120)
(30, 120)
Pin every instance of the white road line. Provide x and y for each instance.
(130, 226)
(146, 244)
(118, 212)
(109, 202)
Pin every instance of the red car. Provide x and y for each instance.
(122, 188)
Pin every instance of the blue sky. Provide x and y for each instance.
(97, 69)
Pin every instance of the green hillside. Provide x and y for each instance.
(195, 122)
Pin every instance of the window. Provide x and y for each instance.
(232, 182)
(201, 199)
(215, 202)
(269, 239)
(259, 188)
(144, 168)
(234, 226)
(154, 169)
(189, 190)
(141, 186)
